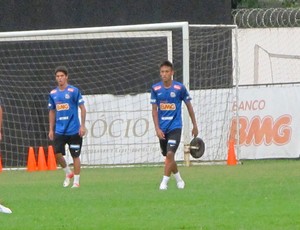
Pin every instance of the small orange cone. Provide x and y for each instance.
(231, 158)
(41, 160)
(51, 161)
(0, 162)
(31, 162)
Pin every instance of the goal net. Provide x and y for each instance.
(275, 67)
(269, 56)
(114, 67)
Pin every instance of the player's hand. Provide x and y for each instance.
(51, 135)
(160, 134)
(195, 131)
(82, 131)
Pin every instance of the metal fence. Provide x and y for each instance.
(266, 18)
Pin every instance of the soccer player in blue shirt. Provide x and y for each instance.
(3, 209)
(64, 124)
(166, 99)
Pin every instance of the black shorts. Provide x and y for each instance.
(74, 142)
(171, 142)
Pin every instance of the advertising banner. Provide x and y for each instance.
(269, 119)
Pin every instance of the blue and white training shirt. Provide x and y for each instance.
(65, 103)
(169, 101)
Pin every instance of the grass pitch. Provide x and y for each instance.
(255, 195)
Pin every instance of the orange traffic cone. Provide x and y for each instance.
(31, 162)
(0, 162)
(231, 158)
(41, 159)
(51, 161)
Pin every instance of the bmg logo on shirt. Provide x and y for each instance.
(64, 106)
(167, 106)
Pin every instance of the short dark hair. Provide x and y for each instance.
(166, 63)
(61, 69)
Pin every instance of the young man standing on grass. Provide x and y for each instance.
(3, 209)
(166, 99)
(63, 105)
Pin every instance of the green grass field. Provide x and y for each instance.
(255, 195)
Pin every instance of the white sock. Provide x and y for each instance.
(76, 179)
(177, 176)
(67, 170)
(165, 179)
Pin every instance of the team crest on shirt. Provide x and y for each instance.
(67, 96)
(172, 94)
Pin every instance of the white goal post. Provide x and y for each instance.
(114, 67)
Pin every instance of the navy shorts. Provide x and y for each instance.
(74, 142)
(171, 142)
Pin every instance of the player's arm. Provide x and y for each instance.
(51, 124)
(159, 132)
(193, 118)
(82, 129)
(1, 121)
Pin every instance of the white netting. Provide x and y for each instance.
(114, 71)
(212, 76)
(269, 55)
